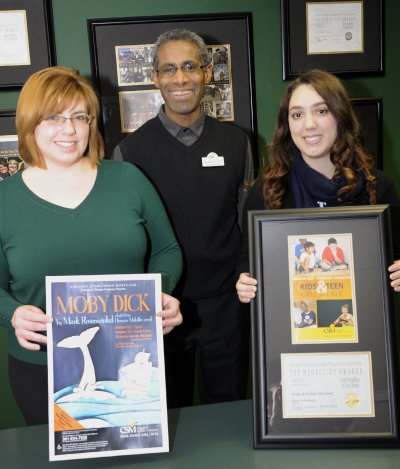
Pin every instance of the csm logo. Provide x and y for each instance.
(126, 430)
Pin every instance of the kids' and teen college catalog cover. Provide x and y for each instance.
(105, 366)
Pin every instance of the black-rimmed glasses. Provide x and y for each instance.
(188, 68)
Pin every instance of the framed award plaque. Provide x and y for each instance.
(26, 40)
(325, 349)
(343, 37)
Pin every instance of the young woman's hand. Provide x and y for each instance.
(246, 287)
(394, 270)
(28, 322)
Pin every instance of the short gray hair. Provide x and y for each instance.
(181, 35)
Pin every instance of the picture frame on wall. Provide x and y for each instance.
(343, 37)
(26, 40)
(7, 122)
(121, 51)
(10, 161)
(369, 112)
(325, 347)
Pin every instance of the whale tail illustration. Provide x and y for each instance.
(79, 341)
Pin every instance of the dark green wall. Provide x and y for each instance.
(72, 50)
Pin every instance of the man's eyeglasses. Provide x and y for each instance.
(79, 120)
(188, 68)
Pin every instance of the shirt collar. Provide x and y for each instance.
(174, 128)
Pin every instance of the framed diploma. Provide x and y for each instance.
(26, 40)
(122, 64)
(343, 37)
(369, 112)
(325, 349)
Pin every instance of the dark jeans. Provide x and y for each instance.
(28, 384)
(211, 345)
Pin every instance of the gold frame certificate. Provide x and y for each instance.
(323, 385)
(14, 41)
(335, 27)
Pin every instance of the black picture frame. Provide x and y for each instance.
(7, 122)
(295, 59)
(223, 28)
(369, 112)
(272, 322)
(9, 141)
(41, 41)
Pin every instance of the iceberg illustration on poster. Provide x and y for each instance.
(106, 369)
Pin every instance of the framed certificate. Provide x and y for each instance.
(325, 349)
(26, 40)
(343, 37)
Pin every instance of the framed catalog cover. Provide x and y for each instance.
(344, 37)
(26, 40)
(325, 350)
(121, 58)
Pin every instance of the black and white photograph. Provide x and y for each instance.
(134, 64)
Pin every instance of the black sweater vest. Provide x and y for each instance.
(201, 201)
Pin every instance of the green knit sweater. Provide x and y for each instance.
(121, 227)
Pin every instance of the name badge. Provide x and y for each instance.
(212, 159)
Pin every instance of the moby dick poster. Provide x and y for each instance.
(322, 288)
(106, 368)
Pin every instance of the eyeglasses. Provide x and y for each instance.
(79, 120)
(188, 68)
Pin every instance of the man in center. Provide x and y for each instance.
(199, 166)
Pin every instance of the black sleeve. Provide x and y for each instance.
(254, 201)
(387, 194)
